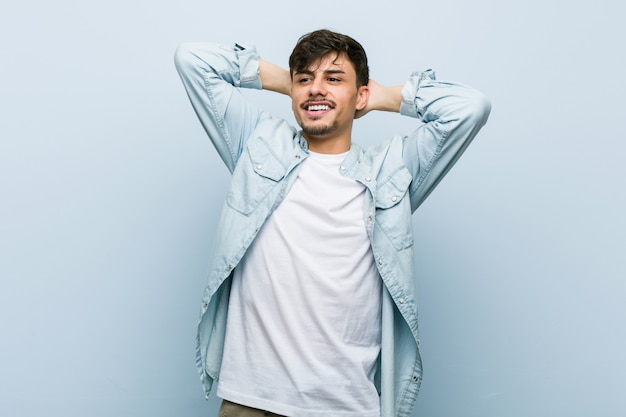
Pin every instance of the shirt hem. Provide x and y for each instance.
(284, 409)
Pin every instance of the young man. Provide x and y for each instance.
(310, 303)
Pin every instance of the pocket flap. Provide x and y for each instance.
(390, 192)
(263, 160)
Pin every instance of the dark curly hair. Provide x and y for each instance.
(315, 45)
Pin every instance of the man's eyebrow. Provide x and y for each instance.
(310, 72)
(334, 71)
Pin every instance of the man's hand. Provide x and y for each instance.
(381, 98)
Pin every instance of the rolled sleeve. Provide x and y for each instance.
(410, 99)
(248, 66)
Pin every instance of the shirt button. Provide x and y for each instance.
(230, 266)
(394, 198)
(368, 179)
(416, 378)
(343, 168)
(401, 301)
(259, 166)
(297, 156)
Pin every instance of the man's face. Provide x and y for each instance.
(324, 101)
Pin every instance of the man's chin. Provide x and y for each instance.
(318, 131)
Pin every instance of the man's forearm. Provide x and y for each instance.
(382, 98)
(274, 78)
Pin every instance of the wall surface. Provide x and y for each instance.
(110, 191)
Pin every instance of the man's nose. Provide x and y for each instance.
(318, 88)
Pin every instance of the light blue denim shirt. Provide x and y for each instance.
(264, 154)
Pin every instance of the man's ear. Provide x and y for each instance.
(362, 97)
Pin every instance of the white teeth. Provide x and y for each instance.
(318, 107)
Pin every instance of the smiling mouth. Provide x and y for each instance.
(318, 107)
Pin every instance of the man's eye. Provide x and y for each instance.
(333, 79)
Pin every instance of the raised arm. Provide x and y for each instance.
(212, 75)
(452, 114)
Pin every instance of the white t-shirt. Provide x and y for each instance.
(303, 331)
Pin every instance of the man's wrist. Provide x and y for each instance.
(392, 99)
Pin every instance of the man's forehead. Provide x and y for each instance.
(332, 61)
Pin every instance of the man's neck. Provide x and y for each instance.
(329, 145)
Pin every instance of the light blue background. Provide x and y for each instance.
(109, 193)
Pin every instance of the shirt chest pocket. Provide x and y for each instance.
(258, 172)
(393, 209)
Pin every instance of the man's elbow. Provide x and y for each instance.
(183, 56)
(481, 108)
